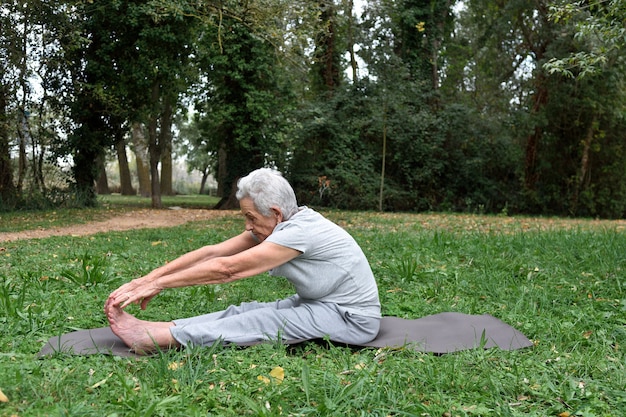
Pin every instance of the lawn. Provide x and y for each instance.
(558, 281)
(108, 206)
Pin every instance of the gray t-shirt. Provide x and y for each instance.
(332, 266)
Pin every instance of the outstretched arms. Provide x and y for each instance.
(236, 258)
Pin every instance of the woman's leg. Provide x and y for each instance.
(300, 321)
(250, 322)
(145, 336)
(239, 309)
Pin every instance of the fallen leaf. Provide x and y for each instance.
(3, 398)
(265, 379)
(99, 383)
(278, 373)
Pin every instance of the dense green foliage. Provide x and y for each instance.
(239, 113)
(472, 106)
(559, 282)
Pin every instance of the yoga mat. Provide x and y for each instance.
(440, 333)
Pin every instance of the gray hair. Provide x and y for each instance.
(268, 188)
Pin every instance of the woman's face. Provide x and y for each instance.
(261, 226)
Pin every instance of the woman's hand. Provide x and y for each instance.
(138, 291)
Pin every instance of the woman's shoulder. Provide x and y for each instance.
(307, 220)
(307, 215)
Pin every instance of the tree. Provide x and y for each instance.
(563, 125)
(326, 61)
(9, 55)
(243, 103)
(166, 48)
(20, 29)
(196, 148)
(144, 60)
(126, 186)
(330, 160)
(420, 27)
(7, 188)
(139, 146)
(83, 39)
(599, 24)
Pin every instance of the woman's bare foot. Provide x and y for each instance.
(140, 335)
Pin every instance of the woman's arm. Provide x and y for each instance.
(185, 262)
(256, 260)
(231, 246)
(234, 264)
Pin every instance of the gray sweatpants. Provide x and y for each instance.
(289, 319)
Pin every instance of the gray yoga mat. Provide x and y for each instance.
(440, 333)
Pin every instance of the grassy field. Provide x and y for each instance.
(109, 205)
(562, 283)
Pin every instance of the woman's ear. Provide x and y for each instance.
(277, 213)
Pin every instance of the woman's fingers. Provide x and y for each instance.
(125, 294)
(133, 292)
(135, 297)
(145, 301)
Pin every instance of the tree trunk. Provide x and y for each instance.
(532, 144)
(205, 177)
(7, 188)
(540, 99)
(353, 63)
(165, 142)
(384, 159)
(237, 162)
(21, 128)
(126, 186)
(140, 147)
(326, 56)
(436, 44)
(87, 141)
(221, 170)
(155, 157)
(22, 159)
(102, 183)
(229, 202)
(154, 150)
(583, 171)
(166, 170)
(331, 72)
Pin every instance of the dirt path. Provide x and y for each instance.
(137, 219)
(149, 218)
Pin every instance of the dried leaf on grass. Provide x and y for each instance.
(3, 397)
(278, 373)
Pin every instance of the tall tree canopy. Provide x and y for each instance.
(498, 106)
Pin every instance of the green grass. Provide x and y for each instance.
(108, 206)
(183, 200)
(561, 283)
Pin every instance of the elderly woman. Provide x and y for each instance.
(336, 293)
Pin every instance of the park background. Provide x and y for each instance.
(469, 106)
(380, 113)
